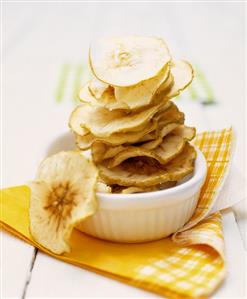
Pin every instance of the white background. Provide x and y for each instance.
(38, 39)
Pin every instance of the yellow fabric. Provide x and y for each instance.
(189, 266)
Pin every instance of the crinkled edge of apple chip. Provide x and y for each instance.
(168, 149)
(175, 170)
(183, 75)
(188, 133)
(141, 95)
(120, 122)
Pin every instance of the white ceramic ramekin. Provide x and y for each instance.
(142, 217)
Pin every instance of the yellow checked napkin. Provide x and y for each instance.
(190, 264)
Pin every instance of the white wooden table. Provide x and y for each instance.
(40, 39)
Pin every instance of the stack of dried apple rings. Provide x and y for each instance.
(136, 134)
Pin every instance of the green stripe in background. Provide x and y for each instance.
(192, 92)
(62, 81)
(210, 99)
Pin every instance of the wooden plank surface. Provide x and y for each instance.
(16, 262)
(234, 285)
(39, 39)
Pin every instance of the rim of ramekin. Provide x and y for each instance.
(192, 184)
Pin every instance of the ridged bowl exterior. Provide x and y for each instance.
(132, 226)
